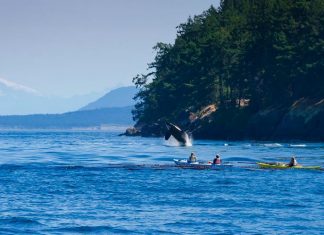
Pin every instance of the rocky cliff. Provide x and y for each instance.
(303, 120)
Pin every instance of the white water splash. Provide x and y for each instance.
(173, 142)
(189, 141)
(298, 145)
(273, 145)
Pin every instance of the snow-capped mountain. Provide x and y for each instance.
(19, 99)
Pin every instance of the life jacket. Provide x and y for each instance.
(292, 163)
(217, 161)
(192, 158)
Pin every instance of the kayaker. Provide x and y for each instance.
(217, 160)
(293, 162)
(192, 158)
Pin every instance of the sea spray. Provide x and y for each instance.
(173, 142)
(189, 141)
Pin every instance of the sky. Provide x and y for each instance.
(66, 48)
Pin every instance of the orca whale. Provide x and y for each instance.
(176, 132)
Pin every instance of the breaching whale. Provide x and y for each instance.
(176, 132)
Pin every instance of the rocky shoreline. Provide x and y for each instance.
(303, 120)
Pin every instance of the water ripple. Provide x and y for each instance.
(99, 183)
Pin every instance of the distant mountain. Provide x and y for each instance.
(119, 97)
(114, 108)
(17, 99)
(78, 119)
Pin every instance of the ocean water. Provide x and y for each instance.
(100, 183)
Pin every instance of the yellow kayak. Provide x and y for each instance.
(265, 165)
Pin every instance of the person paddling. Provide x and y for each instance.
(192, 158)
(293, 162)
(217, 160)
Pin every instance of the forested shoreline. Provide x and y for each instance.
(244, 57)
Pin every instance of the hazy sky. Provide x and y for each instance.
(71, 47)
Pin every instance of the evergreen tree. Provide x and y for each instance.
(268, 51)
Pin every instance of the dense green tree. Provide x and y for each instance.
(267, 51)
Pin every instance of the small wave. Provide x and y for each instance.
(19, 221)
(247, 145)
(240, 159)
(295, 205)
(163, 159)
(273, 145)
(69, 167)
(11, 166)
(298, 145)
(139, 156)
(92, 229)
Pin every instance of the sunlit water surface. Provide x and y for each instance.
(100, 183)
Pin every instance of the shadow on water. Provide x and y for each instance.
(19, 221)
(91, 230)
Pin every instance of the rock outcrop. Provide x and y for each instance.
(304, 120)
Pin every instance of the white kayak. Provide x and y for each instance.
(183, 163)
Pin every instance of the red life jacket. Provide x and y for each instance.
(217, 161)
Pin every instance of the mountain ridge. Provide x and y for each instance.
(17, 99)
(113, 108)
(120, 97)
(77, 119)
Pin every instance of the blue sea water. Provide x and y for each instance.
(101, 183)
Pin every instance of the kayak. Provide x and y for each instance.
(183, 163)
(265, 165)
